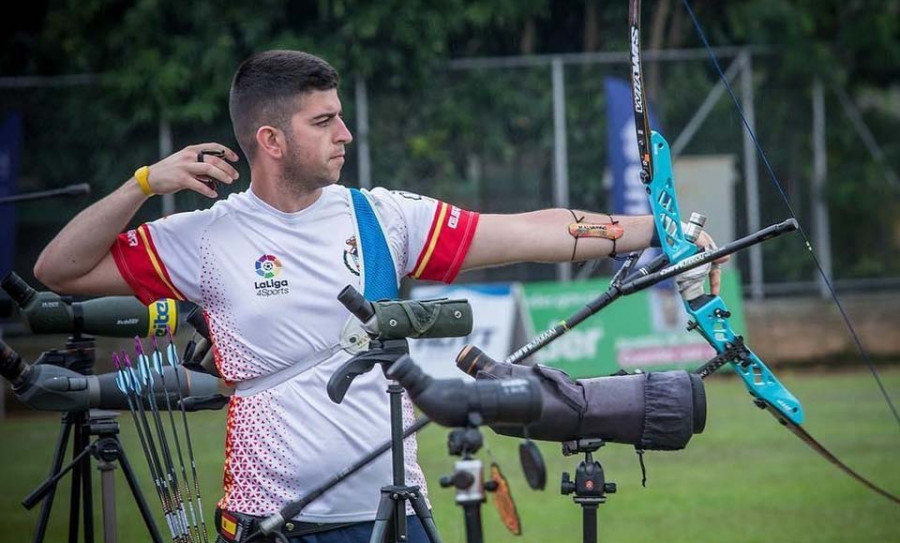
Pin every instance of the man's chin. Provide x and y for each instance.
(334, 177)
(327, 182)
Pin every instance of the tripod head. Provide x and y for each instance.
(468, 480)
(387, 324)
(102, 424)
(471, 486)
(467, 440)
(384, 352)
(468, 475)
(590, 486)
(468, 472)
(57, 381)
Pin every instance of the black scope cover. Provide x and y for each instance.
(652, 411)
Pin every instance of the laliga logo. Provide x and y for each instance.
(268, 267)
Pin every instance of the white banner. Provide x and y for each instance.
(493, 309)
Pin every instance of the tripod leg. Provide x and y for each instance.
(61, 442)
(87, 491)
(138, 496)
(108, 500)
(472, 513)
(424, 514)
(382, 518)
(399, 528)
(589, 527)
(79, 444)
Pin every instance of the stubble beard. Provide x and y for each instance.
(298, 179)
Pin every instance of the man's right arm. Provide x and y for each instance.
(78, 260)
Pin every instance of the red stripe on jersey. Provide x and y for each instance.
(431, 240)
(217, 356)
(447, 243)
(142, 268)
(227, 473)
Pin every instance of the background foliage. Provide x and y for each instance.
(480, 138)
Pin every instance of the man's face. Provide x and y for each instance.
(316, 141)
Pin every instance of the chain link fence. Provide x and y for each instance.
(482, 136)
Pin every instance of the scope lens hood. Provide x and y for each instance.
(699, 394)
(652, 411)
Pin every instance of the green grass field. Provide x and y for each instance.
(744, 479)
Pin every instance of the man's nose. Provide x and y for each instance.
(343, 134)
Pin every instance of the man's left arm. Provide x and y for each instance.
(546, 236)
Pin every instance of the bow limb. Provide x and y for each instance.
(709, 313)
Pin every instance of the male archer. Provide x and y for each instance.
(278, 345)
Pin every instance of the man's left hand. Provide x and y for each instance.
(690, 283)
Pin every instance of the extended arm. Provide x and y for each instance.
(543, 236)
(78, 260)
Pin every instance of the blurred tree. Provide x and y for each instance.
(480, 137)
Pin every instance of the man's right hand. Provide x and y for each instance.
(182, 170)
(78, 260)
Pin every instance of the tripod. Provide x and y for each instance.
(590, 487)
(107, 449)
(391, 514)
(468, 476)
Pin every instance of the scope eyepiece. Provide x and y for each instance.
(17, 288)
(356, 303)
(12, 367)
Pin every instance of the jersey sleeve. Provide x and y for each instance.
(161, 259)
(432, 237)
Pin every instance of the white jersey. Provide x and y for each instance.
(268, 282)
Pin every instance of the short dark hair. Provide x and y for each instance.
(266, 87)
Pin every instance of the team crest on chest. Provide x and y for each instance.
(351, 255)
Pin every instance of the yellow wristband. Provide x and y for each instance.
(142, 175)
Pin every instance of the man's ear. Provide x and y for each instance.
(271, 141)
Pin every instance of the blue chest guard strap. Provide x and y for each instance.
(379, 276)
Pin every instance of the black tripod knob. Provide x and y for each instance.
(460, 479)
(589, 482)
(106, 449)
(567, 486)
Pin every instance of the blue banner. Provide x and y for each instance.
(628, 194)
(10, 149)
